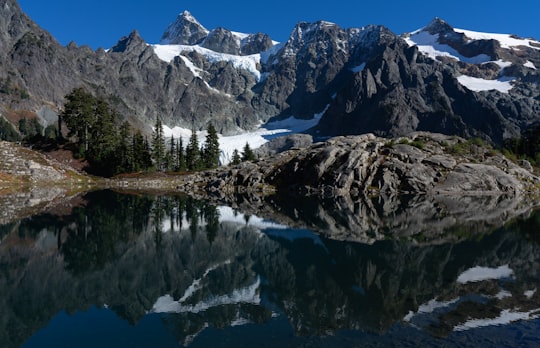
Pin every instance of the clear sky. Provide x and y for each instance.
(101, 23)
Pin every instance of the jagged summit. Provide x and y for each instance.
(129, 42)
(186, 30)
(438, 26)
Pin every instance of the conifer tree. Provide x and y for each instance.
(236, 159)
(193, 159)
(171, 155)
(140, 153)
(79, 117)
(125, 149)
(104, 141)
(247, 153)
(211, 149)
(158, 146)
(181, 155)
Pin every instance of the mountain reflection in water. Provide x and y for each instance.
(179, 271)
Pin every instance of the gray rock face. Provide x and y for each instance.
(357, 167)
(363, 80)
(222, 40)
(284, 143)
(256, 43)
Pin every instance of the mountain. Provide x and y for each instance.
(368, 79)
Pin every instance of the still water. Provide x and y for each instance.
(119, 270)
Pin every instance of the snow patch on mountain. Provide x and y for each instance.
(429, 45)
(505, 40)
(502, 84)
(167, 53)
(477, 274)
(530, 64)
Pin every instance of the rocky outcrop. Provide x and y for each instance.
(362, 166)
(284, 143)
(20, 165)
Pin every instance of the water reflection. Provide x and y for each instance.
(204, 272)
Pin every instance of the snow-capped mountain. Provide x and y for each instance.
(186, 30)
(365, 79)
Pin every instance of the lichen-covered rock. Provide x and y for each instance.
(361, 166)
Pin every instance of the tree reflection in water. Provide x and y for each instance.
(198, 266)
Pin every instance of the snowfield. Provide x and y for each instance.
(430, 46)
(503, 84)
(506, 40)
(168, 52)
(255, 138)
(477, 274)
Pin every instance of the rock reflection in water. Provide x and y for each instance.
(199, 266)
(423, 219)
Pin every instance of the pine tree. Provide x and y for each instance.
(171, 155)
(138, 150)
(181, 156)
(104, 141)
(125, 149)
(158, 146)
(193, 159)
(79, 117)
(211, 149)
(236, 159)
(248, 154)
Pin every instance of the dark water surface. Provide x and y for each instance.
(118, 270)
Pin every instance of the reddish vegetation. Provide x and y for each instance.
(15, 116)
(65, 156)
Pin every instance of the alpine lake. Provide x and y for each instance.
(116, 269)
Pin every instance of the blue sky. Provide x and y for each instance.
(101, 23)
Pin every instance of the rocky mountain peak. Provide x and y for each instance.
(186, 30)
(438, 26)
(222, 40)
(128, 43)
(304, 32)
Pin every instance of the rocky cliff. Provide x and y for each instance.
(361, 166)
(364, 79)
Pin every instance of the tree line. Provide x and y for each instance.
(527, 146)
(106, 141)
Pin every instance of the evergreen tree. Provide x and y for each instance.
(171, 156)
(147, 155)
(79, 117)
(158, 146)
(211, 149)
(139, 150)
(103, 147)
(23, 127)
(125, 150)
(193, 158)
(248, 154)
(236, 159)
(181, 156)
